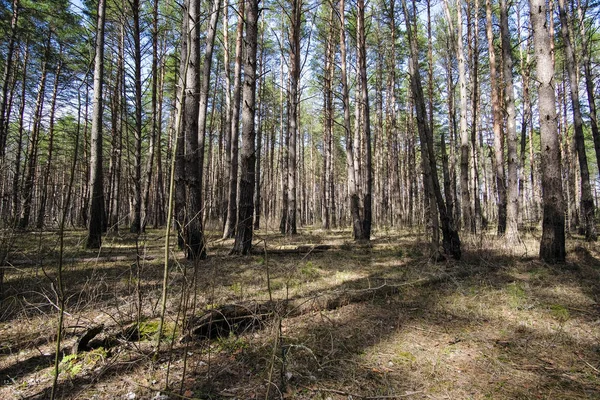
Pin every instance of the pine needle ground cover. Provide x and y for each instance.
(314, 316)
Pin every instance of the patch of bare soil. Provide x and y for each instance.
(310, 317)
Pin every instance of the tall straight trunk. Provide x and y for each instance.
(587, 201)
(366, 122)
(478, 222)
(193, 235)
(154, 118)
(328, 127)
(96, 213)
(34, 141)
(232, 213)
(203, 106)
(136, 218)
(227, 113)
(497, 124)
(448, 194)
(8, 65)
(117, 112)
(244, 231)
(433, 214)
(552, 245)
(450, 238)
(465, 150)
(16, 191)
(357, 226)
(179, 210)
(512, 189)
(292, 125)
(259, 139)
(48, 168)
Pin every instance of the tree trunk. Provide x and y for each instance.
(44, 189)
(6, 77)
(243, 237)
(203, 109)
(232, 213)
(34, 141)
(357, 227)
(96, 214)
(465, 150)
(552, 245)
(512, 207)
(136, 219)
(497, 124)
(193, 235)
(366, 122)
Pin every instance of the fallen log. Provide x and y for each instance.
(238, 318)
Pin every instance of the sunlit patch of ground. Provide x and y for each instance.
(497, 325)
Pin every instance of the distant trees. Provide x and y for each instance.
(355, 122)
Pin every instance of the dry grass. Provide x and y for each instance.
(497, 325)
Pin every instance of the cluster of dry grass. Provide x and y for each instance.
(494, 325)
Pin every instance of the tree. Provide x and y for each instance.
(234, 130)
(366, 122)
(497, 123)
(552, 245)
(96, 213)
(243, 237)
(512, 207)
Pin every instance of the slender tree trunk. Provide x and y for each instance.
(232, 212)
(136, 219)
(259, 139)
(552, 245)
(203, 109)
(497, 125)
(512, 208)
(366, 122)
(154, 117)
(34, 141)
(587, 201)
(357, 226)
(96, 214)
(48, 168)
(243, 238)
(16, 194)
(8, 65)
(193, 236)
(465, 150)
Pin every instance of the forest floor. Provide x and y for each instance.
(396, 324)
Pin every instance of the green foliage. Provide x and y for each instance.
(309, 271)
(516, 294)
(560, 313)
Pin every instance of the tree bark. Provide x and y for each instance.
(366, 122)
(512, 192)
(243, 237)
(8, 65)
(497, 124)
(357, 227)
(96, 214)
(232, 212)
(552, 245)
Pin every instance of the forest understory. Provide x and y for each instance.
(312, 316)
